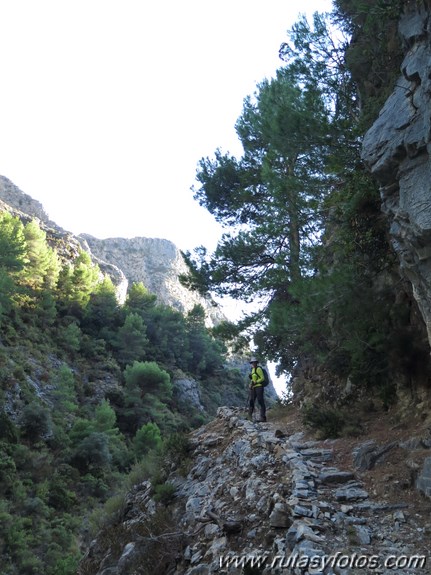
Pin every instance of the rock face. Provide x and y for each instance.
(257, 498)
(17, 199)
(397, 150)
(156, 263)
(67, 245)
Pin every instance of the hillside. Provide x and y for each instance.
(155, 262)
(276, 493)
(124, 444)
(344, 470)
(90, 382)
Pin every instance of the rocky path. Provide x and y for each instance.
(258, 500)
(261, 499)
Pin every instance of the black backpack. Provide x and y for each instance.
(265, 375)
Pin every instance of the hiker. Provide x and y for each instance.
(256, 389)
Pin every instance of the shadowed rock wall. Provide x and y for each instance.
(397, 150)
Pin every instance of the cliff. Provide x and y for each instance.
(397, 151)
(22, 203)
(156, 263)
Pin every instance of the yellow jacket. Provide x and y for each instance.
(257, 377)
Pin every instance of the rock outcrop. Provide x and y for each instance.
(17, 199)
(397, 150)
(261, 495)
(156, 263)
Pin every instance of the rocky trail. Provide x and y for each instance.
(263, 498)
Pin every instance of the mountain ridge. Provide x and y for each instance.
(156, 262)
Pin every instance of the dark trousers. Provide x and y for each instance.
(257, 393)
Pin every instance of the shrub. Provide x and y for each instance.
(8, 430)
(147, 438)
(92, 453)
(7, 472)
(326, 421)
(36, 422)
(176, 447)
(149, 377)
(110, 514)
(60, 497)
(67, 565)
(164, 493)
(143, 470)
(176, 451)
(94, 486)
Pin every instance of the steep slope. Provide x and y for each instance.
(67, 245)
(267, 495)
(155, 262)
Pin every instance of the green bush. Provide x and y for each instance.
(94, 486)
(149, 378)
(327, 421)
(143, 469)
(176, 447)
(8, 430)
(60, 497)
(110, 514)
(7, 472)
(146, 439)
(164, 493)
(67, 565)
(35, 422)
(93, 454)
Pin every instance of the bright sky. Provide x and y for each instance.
(106, 106)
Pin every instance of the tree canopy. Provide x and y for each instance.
(305, 239)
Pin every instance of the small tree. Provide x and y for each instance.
(103, 314)
(93, 454)
(149, 378)
(139, 299)
(105, 418)
(12, 243)
(77, 281)
(70, 337)
(131, 341)
(147, 438)
(65, 393)
(43, 266)
(35, 422)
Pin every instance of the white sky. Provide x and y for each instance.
(106, 106)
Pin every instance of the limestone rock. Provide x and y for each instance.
(423, 482)
(22, 202)
(187, 390)
(156, 263)
(366, 455)
(397, 151)
(279, 516)
(228, 510)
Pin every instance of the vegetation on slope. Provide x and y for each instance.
(86, 385)
(86, 394)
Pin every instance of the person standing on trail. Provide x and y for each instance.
(257, 379)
